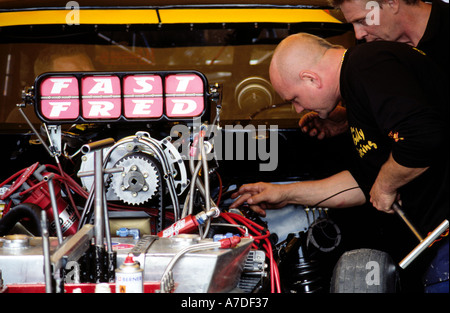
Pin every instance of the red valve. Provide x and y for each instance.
(189, 223)
(229, 242)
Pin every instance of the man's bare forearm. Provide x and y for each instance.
(390, 178)
(337, 191)
(392, 175)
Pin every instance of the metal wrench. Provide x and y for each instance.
(424, 242)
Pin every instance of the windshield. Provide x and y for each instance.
(235, 58)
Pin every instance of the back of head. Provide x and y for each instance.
(46, 58)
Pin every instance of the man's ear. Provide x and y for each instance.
(311, 77)
(392, 4)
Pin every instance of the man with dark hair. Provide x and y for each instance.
(414, 22)
(419, 24)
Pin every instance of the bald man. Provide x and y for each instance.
(398, 115)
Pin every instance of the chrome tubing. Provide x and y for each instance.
(424, 244)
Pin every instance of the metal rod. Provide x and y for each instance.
(402, 215)
(46, 252)
(98, 199)
(104, 262)
(105, 171)
(99, 216)
(36, 132)
(107, 228)
(97, 145)
(87, 208)
(424, 244)
(51, 190)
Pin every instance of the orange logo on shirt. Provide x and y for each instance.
(395, 136)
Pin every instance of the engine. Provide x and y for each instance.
(134, 201)
(137, 213)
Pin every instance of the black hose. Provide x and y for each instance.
(18, 213)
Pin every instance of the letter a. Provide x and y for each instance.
(373, 276)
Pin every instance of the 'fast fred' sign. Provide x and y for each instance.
(106, 97)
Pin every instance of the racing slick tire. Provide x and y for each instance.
(365, 271)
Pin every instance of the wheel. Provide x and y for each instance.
(365, 271)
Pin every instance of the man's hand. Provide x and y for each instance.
(334, 125)
(390, 178)
(328, 192)
(260, 197)
(382, 200)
